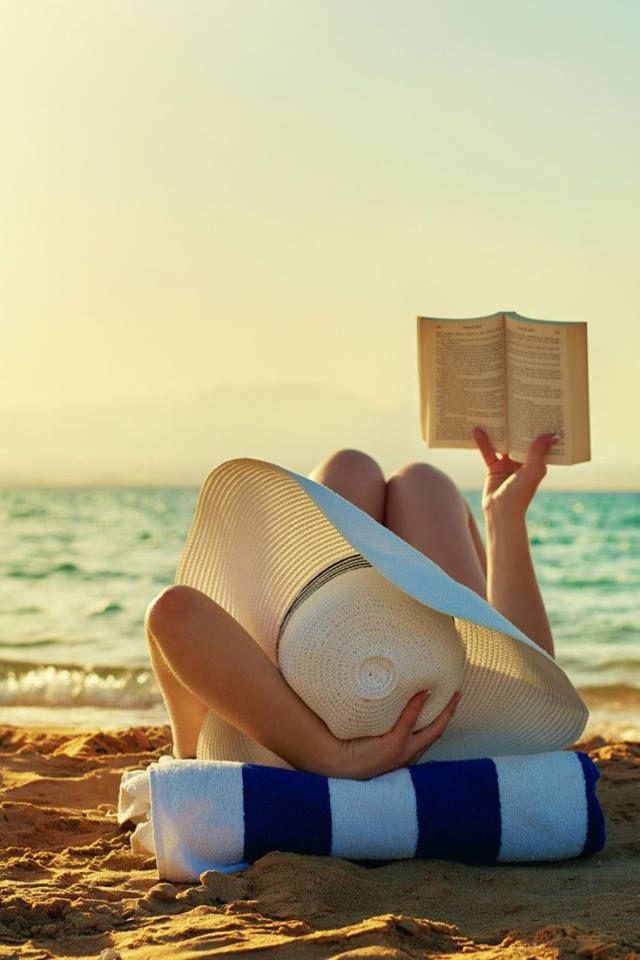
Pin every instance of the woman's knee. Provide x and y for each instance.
(427, 479)
(171, 606)
(348, 462)
(357, 477)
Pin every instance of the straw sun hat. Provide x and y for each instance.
(358, 621)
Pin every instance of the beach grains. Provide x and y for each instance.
(70, 885)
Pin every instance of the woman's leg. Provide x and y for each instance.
(424, 507)
(420, 503)
(355, 476)
(186, 711)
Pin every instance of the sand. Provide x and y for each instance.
(71, 887)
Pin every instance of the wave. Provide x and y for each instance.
(66, 567)
(107, 609)
(23, 683)
(42, 642)
(616, 695)
(28, 513)
(23, 573)
(630, 665)
(629, 520)
(28, 684)
(20, 610)
(598, 660)
(579, 583)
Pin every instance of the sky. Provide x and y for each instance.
(221, 219)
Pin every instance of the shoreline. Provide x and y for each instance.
(614, 713)
(71, 886)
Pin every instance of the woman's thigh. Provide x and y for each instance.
(424, 507)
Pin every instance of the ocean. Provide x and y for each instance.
(79, 566)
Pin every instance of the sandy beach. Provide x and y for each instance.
(71, 887)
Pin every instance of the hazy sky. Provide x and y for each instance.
(197, 195)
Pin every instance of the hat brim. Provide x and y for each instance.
(260, 532)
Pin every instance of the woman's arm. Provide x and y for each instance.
(220, 663)
(512, 587)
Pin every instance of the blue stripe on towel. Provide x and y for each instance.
(285, 810)
(461, 822)
(596, 829)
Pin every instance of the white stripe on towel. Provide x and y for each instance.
(543, 807)
(208, 810)
(374, 818)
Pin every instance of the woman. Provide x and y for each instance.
(204, 659)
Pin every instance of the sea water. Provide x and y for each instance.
(78, 568)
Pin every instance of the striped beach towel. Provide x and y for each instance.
(197, 815)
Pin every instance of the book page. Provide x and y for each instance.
(461, 368)
(544, 394)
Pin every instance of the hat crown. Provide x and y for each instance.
(356, 648)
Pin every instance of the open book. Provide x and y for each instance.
(514, 377)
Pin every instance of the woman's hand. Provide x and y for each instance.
(509, 486)
(366, 757)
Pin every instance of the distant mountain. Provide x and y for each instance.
(177, 440)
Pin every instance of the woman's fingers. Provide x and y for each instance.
(535, 455)
(424, 738)
(535, 466)
(405, 723)
(366, 757)
(413, 745)
(540, 447)
(484, 445)
(528, 475)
